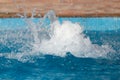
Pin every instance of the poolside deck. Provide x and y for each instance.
(64, 8)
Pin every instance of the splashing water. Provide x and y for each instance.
(53, 50)
(68, 37)
(59, 39)
(55, 39)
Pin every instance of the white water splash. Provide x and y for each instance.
(69, 37)
(60, 38)
(64, 37)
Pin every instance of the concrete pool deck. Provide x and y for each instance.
(64, 8)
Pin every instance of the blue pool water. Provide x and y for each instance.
(19, 62)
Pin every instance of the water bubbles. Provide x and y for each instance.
(56, 39)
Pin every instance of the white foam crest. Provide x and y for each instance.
(57, 39)
(69, 37)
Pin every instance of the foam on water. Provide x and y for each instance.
(58, 39)
(69, 37)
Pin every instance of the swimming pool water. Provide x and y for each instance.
(50, 67)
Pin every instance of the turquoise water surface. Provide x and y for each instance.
(18, 61)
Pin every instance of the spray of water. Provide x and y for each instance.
(57, 39)
(61, 38)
